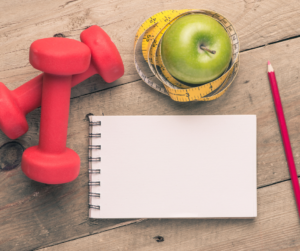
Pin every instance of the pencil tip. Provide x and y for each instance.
(270, 68)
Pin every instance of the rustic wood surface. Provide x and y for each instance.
(35, 216)
(276, 228)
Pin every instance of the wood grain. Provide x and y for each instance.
(257, 22)
(34, 215)
(276, 228)
(250, 94)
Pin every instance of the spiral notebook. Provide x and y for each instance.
(172, 166)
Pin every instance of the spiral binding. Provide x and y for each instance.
(94, 171)
(94, 159)
(91, 159)
(95, 123)
(94, 206)
(94, 135)
(95, 147)
(94, 183)
(94, 194)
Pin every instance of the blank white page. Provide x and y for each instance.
(175, 166)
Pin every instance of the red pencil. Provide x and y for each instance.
(284, 135)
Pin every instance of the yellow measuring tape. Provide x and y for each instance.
(152, 31)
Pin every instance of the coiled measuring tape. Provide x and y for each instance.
(152, 31)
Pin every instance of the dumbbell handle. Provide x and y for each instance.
(55, 108)
(29, 95)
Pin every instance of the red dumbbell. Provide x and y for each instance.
(106, 61)
(51, 161)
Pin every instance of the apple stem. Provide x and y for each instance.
(206, 49)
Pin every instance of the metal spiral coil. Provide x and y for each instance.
(94, 159)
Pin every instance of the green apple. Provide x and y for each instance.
(196, 49)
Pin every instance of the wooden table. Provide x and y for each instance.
(36, 216)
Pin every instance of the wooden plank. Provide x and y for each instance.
(276, 228)
(250, 94)
(34, 215)
(21, 24)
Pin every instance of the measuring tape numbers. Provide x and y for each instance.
(152, 31)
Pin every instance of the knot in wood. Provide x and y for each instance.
(59, 35)
(10, 155)
(159, 238)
